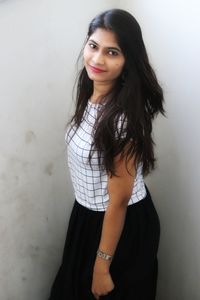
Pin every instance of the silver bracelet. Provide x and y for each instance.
(104, 255)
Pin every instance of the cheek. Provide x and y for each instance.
(118, 67)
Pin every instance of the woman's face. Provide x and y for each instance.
(103, 58)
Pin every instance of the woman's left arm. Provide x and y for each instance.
(119, 190)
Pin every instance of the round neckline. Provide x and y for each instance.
(93, 104)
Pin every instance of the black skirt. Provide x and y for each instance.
(134, 267)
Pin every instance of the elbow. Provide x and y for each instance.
(121, 202)
(125, 196)
(125, 200)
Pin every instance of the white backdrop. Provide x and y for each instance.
(40, 42)
(39, 45)
(171, 31)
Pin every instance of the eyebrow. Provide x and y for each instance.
(114, 48)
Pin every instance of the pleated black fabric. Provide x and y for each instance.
(134, 267)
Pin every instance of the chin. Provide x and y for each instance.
(94, 77)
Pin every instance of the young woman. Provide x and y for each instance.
(113, 233)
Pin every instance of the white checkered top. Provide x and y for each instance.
(90, 182)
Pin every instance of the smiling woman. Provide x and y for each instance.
(103, 58)
(113, 235)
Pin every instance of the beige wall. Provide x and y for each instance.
(40, 42)
(171, 32)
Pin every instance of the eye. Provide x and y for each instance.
(113, 53)
(92, 46)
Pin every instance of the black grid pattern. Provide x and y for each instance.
(90, 183)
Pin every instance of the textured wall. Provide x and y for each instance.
(40, 42)
(171, 32)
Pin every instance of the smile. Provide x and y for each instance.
(96, 70)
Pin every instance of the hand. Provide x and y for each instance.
(102, 283)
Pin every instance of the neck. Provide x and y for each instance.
(100, 90)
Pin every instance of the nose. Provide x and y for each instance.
(98, 58)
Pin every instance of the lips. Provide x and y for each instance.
(96, 70)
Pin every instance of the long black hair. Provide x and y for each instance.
(135, 99)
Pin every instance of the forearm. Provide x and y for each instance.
(120, 190)
(113, 224)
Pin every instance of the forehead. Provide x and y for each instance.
(104, 38)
